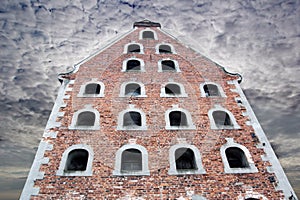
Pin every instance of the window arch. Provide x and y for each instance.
(76, 161)
(210, 89)
(168, 65)
(236, 158)
(185, 159)
(132, 89)
(221, 118)
(86, 119)
(133, 64)
(172, 89)
(131, 160)
(92, 89)
(134, 48)
(164, 48)
(148, 34)
(178, 119)
(132, 119)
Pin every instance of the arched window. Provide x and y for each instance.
(168, 65)
(86, 119)
(131, 160)
(132, 89)
(92, 89)
(210, 89)
(148, 35)
(132, 119)
(134, 48)
(221, 118)
(163, 48)
(173, 89)
(178, 119)
(236, 158)
(133, 64)
(185, 159)
(76, 161)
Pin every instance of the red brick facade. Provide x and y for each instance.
(195, 69)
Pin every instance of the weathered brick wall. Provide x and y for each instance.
(106, 67)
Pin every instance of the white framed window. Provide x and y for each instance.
(132, 119)
(92, 89)
(164, 48)
(86, 119)
(133, 89)
(221, 118)
(131, 160)
(210, 89)
(133, 65)
(185, 159)
(236, 158)
(172, 89)
(178, 119)
(76, 161)
(148, 34)
(168, 65)
(133, 47)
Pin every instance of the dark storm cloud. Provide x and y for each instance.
(39, 39)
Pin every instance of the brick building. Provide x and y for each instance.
(148, 118)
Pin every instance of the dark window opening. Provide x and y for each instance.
(177, 118)
(211, 90)
(185, 159)
(168, 65)
(172, 89)
(133, 65)
(132, 89)
(236, 158)
(132, 119)
(134, 48)
(77, 160)
(222, 119)
(165, 49)
(86, 118)
(148, 35)
(92, 88)
(131, 160)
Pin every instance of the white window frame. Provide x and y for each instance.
(227, 169)
(203, 94)
(87, 172)
(87, 108)
(124, 66)
(147, 29)
(127, 45)
(168, 59)
(123, 87)
(134, 128)
(118, 162)
(164, 94)
(213, 123)
(190, 126)
(82, 89)
(157, 48)
(198, 160)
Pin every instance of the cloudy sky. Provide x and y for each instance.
(259, 39)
